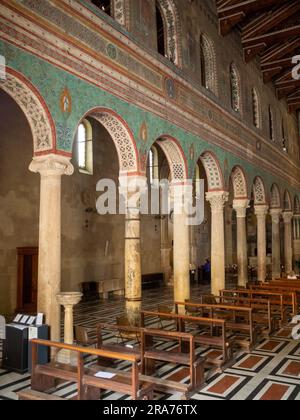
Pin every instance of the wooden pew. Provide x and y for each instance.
(89, 387)
(289, 294)
(151, 354)
(262, 314)
(276, 298)
(231, 313)
(31, 395)
(209, 340)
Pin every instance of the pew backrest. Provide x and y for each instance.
(2, 328)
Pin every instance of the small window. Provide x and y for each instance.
(284, 138)
(271, 124)
(208, 64)
(104, 5)
(160, 29)
(235, 89)
(255, 108)
(85, 147)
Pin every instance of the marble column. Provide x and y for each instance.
(51, 169)
(288, 249)
(181, 250)
(217, 202)
(276, 254)
(132, 188)
(228, 236)
(165, 250)
(68, 300)
(240, 207)
(261, 212)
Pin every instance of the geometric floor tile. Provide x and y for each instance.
(291, 368)
(272, 346)
(224, 385)
(252, 363)
(273, 391)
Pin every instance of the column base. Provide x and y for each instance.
(133, 312)
(67, 357)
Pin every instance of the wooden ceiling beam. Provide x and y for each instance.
(256, 45)
(271, 19)
(280, 50)
(271, 69)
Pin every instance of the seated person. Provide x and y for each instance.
(207, 271)
(292, 276)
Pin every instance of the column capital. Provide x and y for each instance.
(276, 214)
(287, 216)
(241, 206)
(261, 211)
(52, 165)
(217, 200)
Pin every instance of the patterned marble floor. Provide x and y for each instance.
(270, 372)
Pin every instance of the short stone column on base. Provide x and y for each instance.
(68, 301)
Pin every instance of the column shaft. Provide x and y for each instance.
(181, 258)
(288, 249)
(276, 254)
(261, 213)
(240, 206)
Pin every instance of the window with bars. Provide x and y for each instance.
(255, 108)
(85, 147)
(235, 89)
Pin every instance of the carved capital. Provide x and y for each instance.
(261, 211)
(276, 215)
(287, 216)
(241, 206)
(52, 165)
(217, 200)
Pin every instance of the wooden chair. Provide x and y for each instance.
(126, 336)
(82, 338)
(164, 309)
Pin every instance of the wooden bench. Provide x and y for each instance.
(208, 340)
(262, 313)
(89, 386)
(277, 299)
(151, 354)
(31, 395)
(289, 295)
(238, 318)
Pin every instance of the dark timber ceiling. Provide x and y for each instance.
(270, 30)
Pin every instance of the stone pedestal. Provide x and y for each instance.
(276, 254)
(288, 249)
(261, 212)
(51, 169)
(240, 206)
(217, 202)
(68, 301)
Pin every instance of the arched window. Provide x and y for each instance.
(85, 147)
(271, 124)
(255, 108)
(160, 30)
(168, 31)
(153, 167)
(104, 5)
(235, 88)
(208, 64)
(284, 137)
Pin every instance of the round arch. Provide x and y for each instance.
(240, 185)
(35, 109)
(122, 137)
(287, 203)
(175, 156)
(259, 191)
(275, 197)
(213, 171)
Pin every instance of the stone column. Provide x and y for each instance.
(228, 236)
(132, 188)
(288, 250)
(165, 250)
(194, 251)
(240, 206)
(276, 254)
(296, 242)
(261, 212)
(181, 251)
(217, 202)
(68, 301)
(51, 169)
